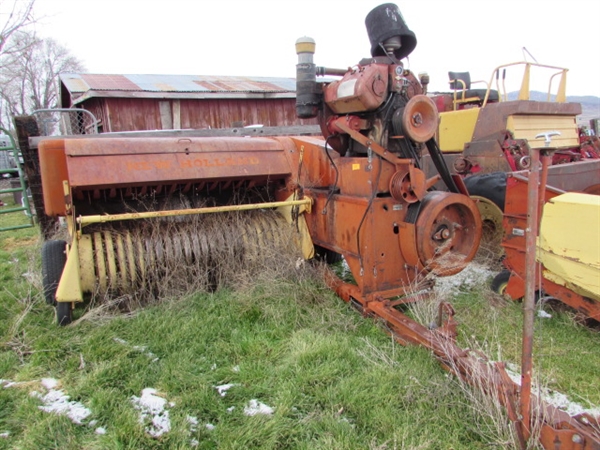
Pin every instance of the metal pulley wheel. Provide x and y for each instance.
(420, 118)
(448, 232)
(405, 188)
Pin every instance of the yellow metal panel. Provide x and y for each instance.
(122, 261)
(111, 263)
(456, 129)
(131, 258)
(528, 126)
(306, 243)
(572, 254)
(86, 263)
(99, 257)
(69, 287)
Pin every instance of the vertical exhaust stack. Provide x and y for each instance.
(308, 99)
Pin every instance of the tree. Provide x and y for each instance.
(14, 16)
(30, 81)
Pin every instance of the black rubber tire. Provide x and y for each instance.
(500, 282)
(63, 313)
(54, 258)
(489, 185)
(326, 255)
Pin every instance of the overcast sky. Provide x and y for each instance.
(256, 38)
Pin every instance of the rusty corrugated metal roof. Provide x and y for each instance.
(79, 84)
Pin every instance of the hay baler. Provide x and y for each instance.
(359, 192)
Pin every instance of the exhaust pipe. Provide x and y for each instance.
(308, 99)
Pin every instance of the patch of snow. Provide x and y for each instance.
(138, 348)
(556, 399)
(153, 412)
(49, 383)
(209, 426)
(513, 373)
(230, 409)
(561, 401)
(255, 407)
(143, 349)
(100, 430)
(473, 275)
(4, 435)
(193, 421)
(28, 276)
(223, 388)
(56, 401)
(543, 314)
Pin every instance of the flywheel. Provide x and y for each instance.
(448, 232)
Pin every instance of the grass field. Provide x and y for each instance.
(276, 363)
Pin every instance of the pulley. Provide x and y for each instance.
(447, 232)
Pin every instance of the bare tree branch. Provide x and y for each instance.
(29, 80)
(14, 16)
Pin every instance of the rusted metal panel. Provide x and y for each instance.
(105, 163)
(135, 84)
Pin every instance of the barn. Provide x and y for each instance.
(172, 102)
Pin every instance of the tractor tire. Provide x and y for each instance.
(500, 282)
(54, 258)
(63, 313)
(489, 185)
(328, 256)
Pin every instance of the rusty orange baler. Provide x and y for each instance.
(359, 192)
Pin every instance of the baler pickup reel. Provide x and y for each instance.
(132, 205)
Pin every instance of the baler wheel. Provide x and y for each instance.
(54, 258)
(500, 282)
(493, 231)
(490, 191)
(63, 313)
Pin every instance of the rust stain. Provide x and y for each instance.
(108, 82)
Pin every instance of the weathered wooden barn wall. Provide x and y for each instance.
(138, 107)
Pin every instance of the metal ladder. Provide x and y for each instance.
(25, 207)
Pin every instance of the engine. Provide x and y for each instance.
(380, 98)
